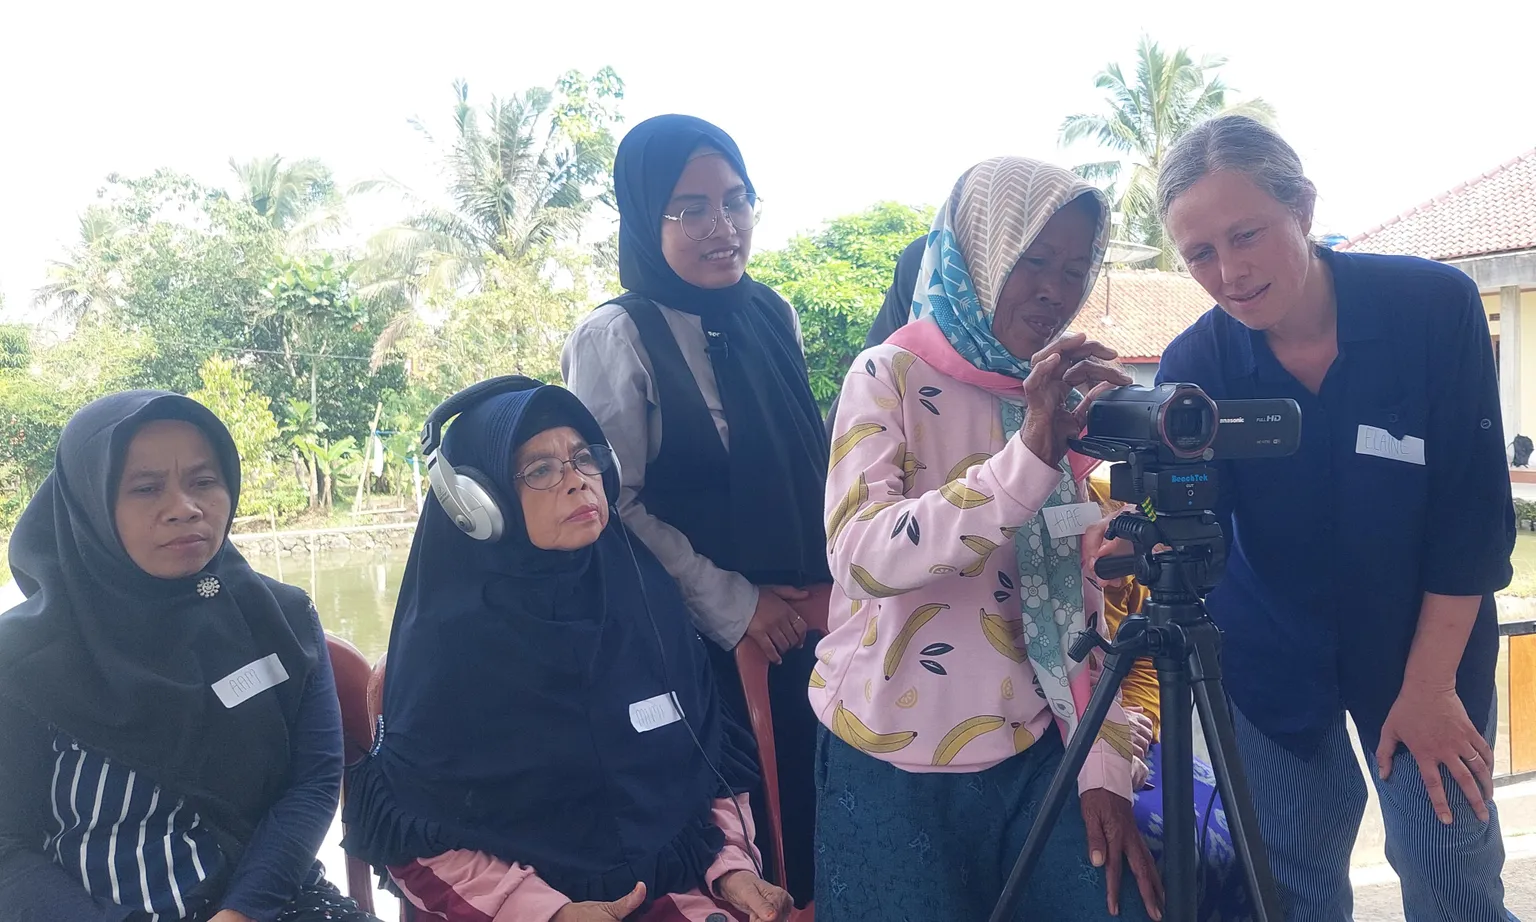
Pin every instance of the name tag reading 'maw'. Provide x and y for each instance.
(250, 680)
(1379, 442)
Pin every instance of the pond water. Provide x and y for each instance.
(355, 593)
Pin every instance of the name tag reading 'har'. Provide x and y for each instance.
(1070, 521)
(251, 680)
(1379, 442)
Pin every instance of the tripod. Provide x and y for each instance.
(1186, 647)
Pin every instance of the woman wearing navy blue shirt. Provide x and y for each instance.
(170, 740)
(1362, 569)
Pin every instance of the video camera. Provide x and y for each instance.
(1163, 439)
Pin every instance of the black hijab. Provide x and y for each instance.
(124, 662)
(507, 726)
(778, 448)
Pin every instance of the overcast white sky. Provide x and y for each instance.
(835, 104)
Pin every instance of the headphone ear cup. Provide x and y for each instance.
(484, 519)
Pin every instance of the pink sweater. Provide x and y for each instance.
(925, 666)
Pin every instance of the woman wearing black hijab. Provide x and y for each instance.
(697, 376)
(170, 739)
(530, 764)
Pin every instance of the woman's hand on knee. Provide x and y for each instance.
(758, 899)
(615, 911)
(1113, 836)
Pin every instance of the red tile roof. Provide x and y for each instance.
(1146, 310)
(1493, 213)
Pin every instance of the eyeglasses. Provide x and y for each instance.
(700, 220)
(546, 473)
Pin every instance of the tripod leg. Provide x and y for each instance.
(1221, 739)
(1117, 665)
(1180, 858)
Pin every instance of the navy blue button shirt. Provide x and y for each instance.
(1331, 550)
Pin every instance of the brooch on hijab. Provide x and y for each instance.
(208, 587)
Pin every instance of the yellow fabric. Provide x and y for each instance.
(1140, 688)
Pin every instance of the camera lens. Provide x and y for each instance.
(1189, 424)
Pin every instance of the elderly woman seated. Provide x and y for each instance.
(551, 745)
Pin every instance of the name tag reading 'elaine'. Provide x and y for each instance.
(251, 680)
(653, 713)
(1379, 442)
(1071, 521)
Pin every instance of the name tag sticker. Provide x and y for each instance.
(1379, 442)
(249, 681)
(653, 713)
(1071, 521)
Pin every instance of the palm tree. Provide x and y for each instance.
(521, 173)
(298, 198)
(1171, 94)
(90, 277)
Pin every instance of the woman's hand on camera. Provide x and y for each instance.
(1095, 547)
(1070, 362)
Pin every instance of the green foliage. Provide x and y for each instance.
(515, 324)
(15, 347)
(1170, 94)
(38, 399)
(248, 416)
(523, 173)
(836, 279)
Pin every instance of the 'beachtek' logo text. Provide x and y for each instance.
(1189, 478)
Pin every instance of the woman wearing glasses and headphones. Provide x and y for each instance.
(697, 376)
(552, 747)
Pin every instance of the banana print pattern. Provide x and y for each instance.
(962, 735)
(915, 622)
(936, 650)
(1004, 636)
(909, 465)
(1118, 736)
(851, 730)
(857, 496)
(850, 440)
(901, 363)
(983, 547)
(871, 585)
(871, 633)
(965, 464)
(962, 496)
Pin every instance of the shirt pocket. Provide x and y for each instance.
(1387, 462)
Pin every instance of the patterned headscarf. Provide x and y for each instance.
(995, 211)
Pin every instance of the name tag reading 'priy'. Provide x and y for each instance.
(1379, 442)
(250, 680)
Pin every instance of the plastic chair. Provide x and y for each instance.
(352, 678)
(753, 666)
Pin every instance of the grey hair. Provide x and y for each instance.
(1242, 145)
